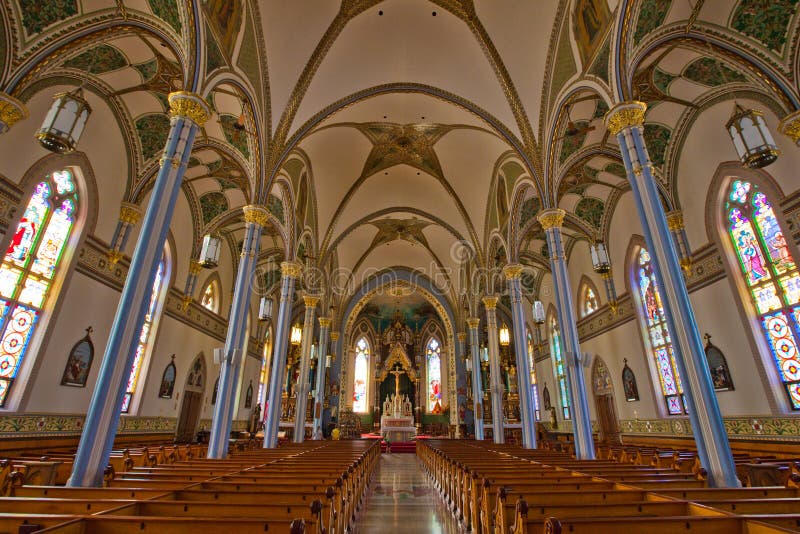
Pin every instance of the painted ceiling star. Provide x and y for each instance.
(396, 144)
(406, 229)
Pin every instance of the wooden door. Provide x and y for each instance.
(190, 412)
(607, 419)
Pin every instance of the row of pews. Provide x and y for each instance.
(504, 488)
(315, 487)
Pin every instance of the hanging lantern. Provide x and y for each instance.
(505, 336)
(600, 261)
(328, 360)
(297, 335)
(64, 123)
(484, 354)
(468, 363)
(265, 309)
(752, 138)
(538, 312)
(209, 253)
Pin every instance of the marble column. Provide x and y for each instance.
(477, 380)
(513, 273)
(129, 215)
(301, 390)
(255, 219)
(495, 374)
(551, 221)
(289, 272)
(188, 112)
(191, 283)
(319, 394)
(625, 120)
(11, 112)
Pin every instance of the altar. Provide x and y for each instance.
(400, 396)
(397, 419)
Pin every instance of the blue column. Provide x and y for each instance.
(477, 382)
(188, 112)
(625, 121)
(255, 218)
(289, 271)
(301, 391)
(551, 221)
(513, 273)
(496, 380)
(129, 215)
(319, 394)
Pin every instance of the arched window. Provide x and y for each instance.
(654, 325)
(361, 376)
(29, 268)
(210, 297)
(558, 366)
(589, 301)
(434, 361)
(266, 359)
(771, 276)
(147, 334)
(534, 386)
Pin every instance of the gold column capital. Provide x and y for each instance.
(291, 268)
(462, 336)
(790, 126)
(195, 268)
(11, 112)
(473, 322)
(490, 302)
(255, 214)
(325, 322)
(310, 301)
(607, 275)
(675, 220)
(551, 218)
(113, 258)
(334, 336)
(190, 106)
(625, 115)
(129, 212)
(513, 271)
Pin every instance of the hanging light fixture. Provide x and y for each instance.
(328, 360)
(297, 335)
(538, 312)
(209, 253)
(265, 309)
(64, 123)
(468, 363)
(505, 336)
(751, 137)
(600, 262)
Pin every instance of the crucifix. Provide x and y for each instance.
(397, 371)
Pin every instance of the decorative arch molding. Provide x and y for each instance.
(197, 376)
(406, 278)
(602, 382)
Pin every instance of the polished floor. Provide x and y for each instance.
(402, 499)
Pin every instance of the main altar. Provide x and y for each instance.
(397, 416)
(398, 385)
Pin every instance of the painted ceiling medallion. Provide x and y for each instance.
(409, 144)
(405, 229)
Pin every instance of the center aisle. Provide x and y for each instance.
(402, 499)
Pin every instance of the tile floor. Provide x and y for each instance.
(402, 499)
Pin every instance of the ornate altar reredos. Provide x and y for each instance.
(397, 408)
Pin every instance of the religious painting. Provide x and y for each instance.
(629, 383)
(168, 380)
(718, 367)
(590, 20)
(248, 398)
(214, 394)
(79, 362)
(225, 17)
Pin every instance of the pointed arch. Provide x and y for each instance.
(559, 369)
(361, 361)
(588, 297)
(211, 295)
(534, 383)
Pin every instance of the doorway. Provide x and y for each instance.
(192, 404)
(603, 391)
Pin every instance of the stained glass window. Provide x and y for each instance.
(29, 267)
(146, 335)
(589, 302)
(434, 359)
(771, 276)
(654, 323)
(558, 366)
(361, 376)
(210, 297)
(264, 374)
(534, 386)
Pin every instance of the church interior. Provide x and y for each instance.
(369, 266)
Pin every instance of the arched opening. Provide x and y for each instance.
(603, 390)
(192, 404)
(361, 377)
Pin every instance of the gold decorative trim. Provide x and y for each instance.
(513, 271)
(325, 322)
(625, 115)
(310, 300)
(552, 218)
(607, 275)
(462, 336)
(490, 302)
(195, 268)
(113, 257)
(790, 126)
(185, 301)
(190, 106)
(675, 220)
(255, 214)
(11, 112)
(291, 268)
(129, 213)
(334, 336)
(473, 322)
